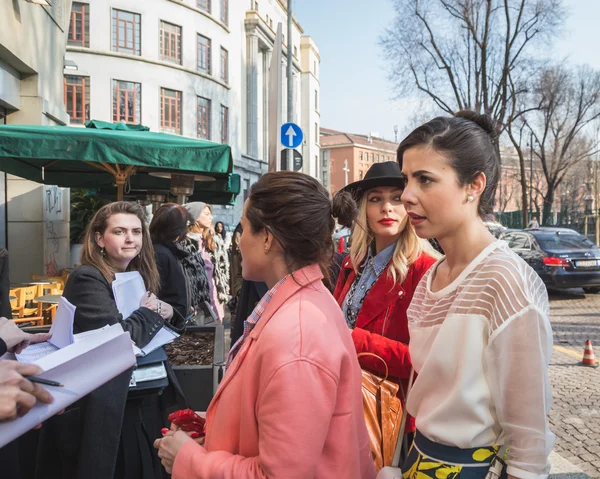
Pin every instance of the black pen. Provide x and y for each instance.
(47, 382)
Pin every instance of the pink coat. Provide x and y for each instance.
(290, 404)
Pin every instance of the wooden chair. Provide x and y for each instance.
(13, 302)
(48, 311)
(24, 312)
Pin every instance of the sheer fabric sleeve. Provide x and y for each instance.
(517, 359)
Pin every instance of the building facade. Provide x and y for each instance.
(197, 68)
(34, 219)
(347, 157)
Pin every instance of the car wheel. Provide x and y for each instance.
(594, 290)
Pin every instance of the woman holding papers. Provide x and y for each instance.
(290, 404)
(92, 437)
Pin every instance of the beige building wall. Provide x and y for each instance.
(32, 47)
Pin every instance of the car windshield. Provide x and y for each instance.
(564, 241)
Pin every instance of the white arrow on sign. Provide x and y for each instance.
(290, 133)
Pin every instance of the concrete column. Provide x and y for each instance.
(252, 96)
(265, 89)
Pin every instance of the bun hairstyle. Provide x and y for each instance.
(467, 140)
(297, 210)
(344, 208)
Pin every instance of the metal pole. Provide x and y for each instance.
(290, 80)
(530, 174)
(596, 202)
(596, 192)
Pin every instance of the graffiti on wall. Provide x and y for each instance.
(56, 227)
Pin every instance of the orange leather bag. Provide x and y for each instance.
(383, 414)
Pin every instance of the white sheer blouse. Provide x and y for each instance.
(481, 347)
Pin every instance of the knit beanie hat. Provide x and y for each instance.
(195, 208)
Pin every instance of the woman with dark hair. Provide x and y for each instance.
(220, 229)
(480, 337)
(290, 404)
(95, 436)
(183, 281)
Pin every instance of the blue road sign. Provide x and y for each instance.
(291, 135)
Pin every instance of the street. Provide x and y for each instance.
(575, 413)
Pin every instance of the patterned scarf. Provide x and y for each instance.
(194, 269)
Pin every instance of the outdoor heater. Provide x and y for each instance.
(182, 185)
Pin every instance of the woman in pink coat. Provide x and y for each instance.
(290, 404)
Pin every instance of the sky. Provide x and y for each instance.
(356, 96)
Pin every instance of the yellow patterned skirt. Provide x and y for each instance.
(428, 459)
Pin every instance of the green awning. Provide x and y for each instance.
(108, 154)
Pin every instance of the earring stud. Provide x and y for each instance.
(470, 198)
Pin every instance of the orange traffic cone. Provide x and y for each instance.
(589, 358)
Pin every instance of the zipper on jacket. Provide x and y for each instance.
(385, 320)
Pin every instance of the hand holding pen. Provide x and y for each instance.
(18, 394)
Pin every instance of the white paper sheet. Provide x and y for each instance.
(164, 336)
(82, 367)
(128, 290)
(62, 327)
(36, 351)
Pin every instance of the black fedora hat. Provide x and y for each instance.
(386, 173)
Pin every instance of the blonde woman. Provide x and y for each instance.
(378, 278)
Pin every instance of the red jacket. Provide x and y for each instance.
(382, 325)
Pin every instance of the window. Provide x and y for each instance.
(246, 188)
(225, 11)
(79, 27)
(170, 42)
(568, 241)
(204, 5)
(372, 160)
(296, 51)
(127, 101)
(317, 167)
(77, 98)
(224, 124)
(204, 54)
(377, 158)
(360, 174)
(519, 241)
(317, 133)
(271, 22)
(224, 65)
(315, 67)
(360, 156)
(170, 110)
(126, 32)
(203, 118)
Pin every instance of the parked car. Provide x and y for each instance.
(561, 257)
(495, 228)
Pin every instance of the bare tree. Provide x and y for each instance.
(567, 103)
(460, 53)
